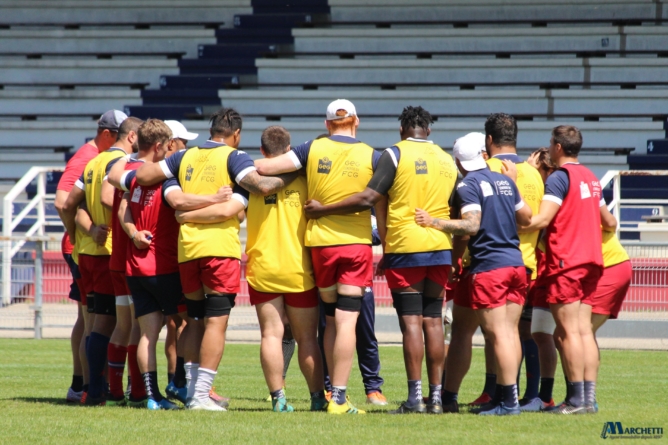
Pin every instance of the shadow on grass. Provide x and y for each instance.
(46, 400)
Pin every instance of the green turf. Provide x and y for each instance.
(34, 376)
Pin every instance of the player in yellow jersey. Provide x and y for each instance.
(414, 173)
(279, 274)
(209, 253)
(336, 167)
(94, 189)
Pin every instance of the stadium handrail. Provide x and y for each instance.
(633, 21)
(505, 54)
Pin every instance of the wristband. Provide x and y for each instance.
(132, 238)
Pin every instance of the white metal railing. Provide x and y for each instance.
(615, 176)
(11, 222)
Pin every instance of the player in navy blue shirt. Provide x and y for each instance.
(491, 208)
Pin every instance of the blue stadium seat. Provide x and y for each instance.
(217, 66)
(657, 147)
(195, 82)
(294, 6)
(253, 35)
(228, 51)
(271, 20)
(180, 97)
(164, 112)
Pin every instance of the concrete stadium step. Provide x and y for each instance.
(203, 81)
(122, 11)
(433, 71)
(277, 102)
(215, 66)
(253, 35)
(235, 50)
(294, 6)
(49, 40)
(489, 10)
(26, 101)
(15, 70)
(180, 97)
(248, 21)
(424, 39)
(376, 133)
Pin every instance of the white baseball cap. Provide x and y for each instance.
(340, 104)
(179, 131)
(468, 150)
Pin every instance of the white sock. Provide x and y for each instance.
(204, 382)
(191, 378)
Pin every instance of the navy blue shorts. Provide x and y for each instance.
(159, 293)
(75, 293)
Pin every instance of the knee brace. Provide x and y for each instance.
(104, 304)
(330, 309)
(407, 303)
(219, 305)
(123, 300)
(348, 304)
(432, 307)
(196, 309)
(527, 312)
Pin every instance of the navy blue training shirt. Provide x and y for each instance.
(496, 245)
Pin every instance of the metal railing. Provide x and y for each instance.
(10, 222)
(614, 177)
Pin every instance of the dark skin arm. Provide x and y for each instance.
(358, 202)
(266, 185)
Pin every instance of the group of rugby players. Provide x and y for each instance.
(153, 237)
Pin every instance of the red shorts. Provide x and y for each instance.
(351, 264)
(576, 284)
(538, 295)
(218, 274)
(84, 297)
(120, 284)
(450, 289)
(95, 274)
(306, 299)
(407, 276)
(496, 287)
(181, 307)
(462, 291)
(612, 289)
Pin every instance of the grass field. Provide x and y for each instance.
(34, 376)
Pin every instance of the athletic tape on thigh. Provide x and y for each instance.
(448, 312)
(219, 305)
(196, 308)
(407, 303)
(447, 330)
(432, 307)
(348, 303)
(123, 300)
(542, 321)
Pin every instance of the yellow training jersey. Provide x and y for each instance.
(425, 179)
(613, 251)
(336, 170)
(278, 261)
(202, 172)
(530, 184)
(93, 176)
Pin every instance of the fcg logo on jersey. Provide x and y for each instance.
(189, 172)
(271, 199)
(291, 192)
(89, 177)
(324, 166)
(420, 167)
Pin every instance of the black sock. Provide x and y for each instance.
(151, 383)
(277, 394)
(414, 392)
(435, 394)
(318, 394)
(77, 383)
(590, 392)
(576, 396)
(84, 388)
(546, 386)
(449, 397)
(180, 374)
(498, 395)
(509, 395)
(170, 377)
(490, 385)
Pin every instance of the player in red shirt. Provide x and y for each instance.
(106, 136)
(571, 213)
